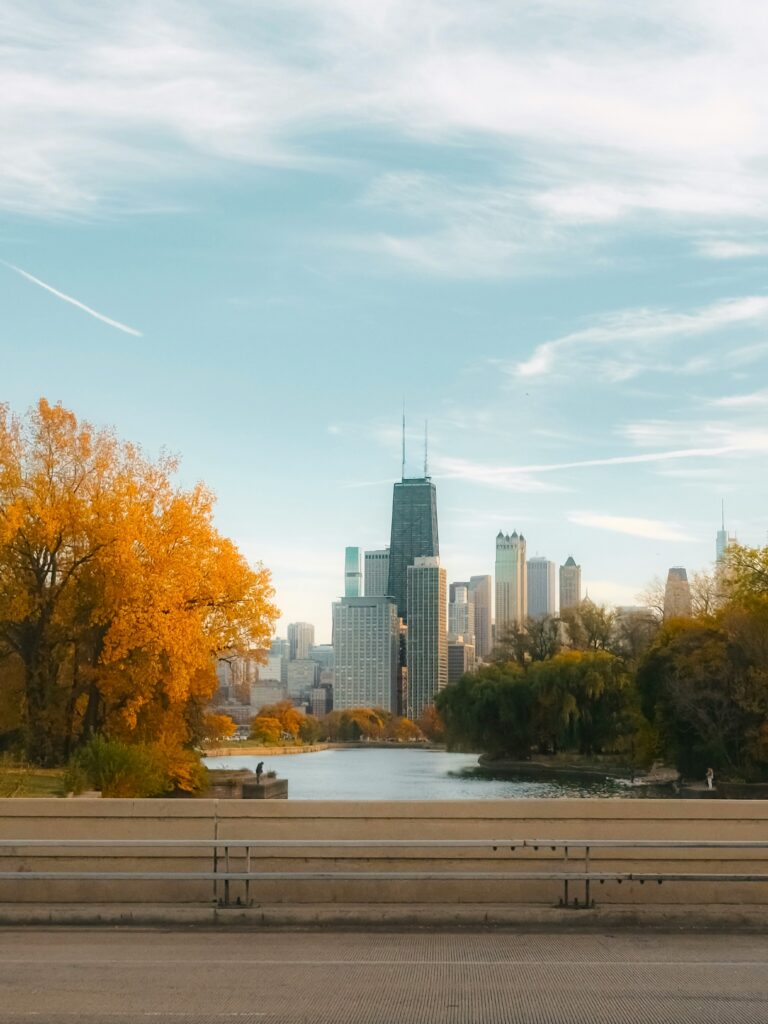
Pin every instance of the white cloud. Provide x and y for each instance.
(629, 331)
(747, 401)
(594, 113)
(632, 525)
(728, 249)
(506, 478)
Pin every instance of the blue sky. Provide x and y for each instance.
(542, 224)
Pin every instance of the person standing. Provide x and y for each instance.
(259, 772)
(710, 778)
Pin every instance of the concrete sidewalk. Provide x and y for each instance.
(661, 917)
(52, 976)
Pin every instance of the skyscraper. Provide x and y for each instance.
(461, 613)
(570, 584)
(301, 636)
(723, 541)
(376, 572)
(511, 582)
(427, 641)
(353, 578)
(366, 642)
(414, 534)
(677, 594)
(541, 588)
(481, 596)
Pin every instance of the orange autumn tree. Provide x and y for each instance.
(116, 590)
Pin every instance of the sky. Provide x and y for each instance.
(246, 233)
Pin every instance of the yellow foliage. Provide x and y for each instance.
(118, 590)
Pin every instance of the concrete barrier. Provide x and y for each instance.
(416, 820)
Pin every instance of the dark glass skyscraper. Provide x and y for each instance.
(414, 533)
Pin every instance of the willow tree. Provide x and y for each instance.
(116, 589)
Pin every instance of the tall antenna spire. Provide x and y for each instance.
(722, 508)
(402, 477)
(426, 449)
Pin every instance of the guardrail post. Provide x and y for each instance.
(226, 880)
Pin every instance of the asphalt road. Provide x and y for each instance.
(249, 977)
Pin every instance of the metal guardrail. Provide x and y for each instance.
(222, 875)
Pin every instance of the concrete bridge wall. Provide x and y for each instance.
(503, 820)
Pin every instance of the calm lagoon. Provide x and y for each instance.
(407, 774)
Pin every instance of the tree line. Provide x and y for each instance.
(692, 691)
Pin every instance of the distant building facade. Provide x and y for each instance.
(264, 693)
(427, 646)
(461, 659)
(570, 584)
(677, 594)
(353, 577)
(366, 646)
(542, 599)
(461, 613)
(511, 582)
(301, 637)
(376, 564)
(481, 596)
(414, 534)
(303, 674)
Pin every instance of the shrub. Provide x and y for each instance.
(133, 770)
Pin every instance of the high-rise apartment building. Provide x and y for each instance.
(541, 588)
(414, 534)
(427, 645)
(570, 584)
(366, 642)
(376, 572)
(301, 637)
(511, 582)
(353, 577)
(481, 596)
(461, 613)
(677, 594)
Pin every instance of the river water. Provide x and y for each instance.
(407, 774)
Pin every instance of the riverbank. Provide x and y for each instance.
(245, 747)
(559, 767)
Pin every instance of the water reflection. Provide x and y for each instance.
(406, 774)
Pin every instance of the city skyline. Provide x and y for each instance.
(245, 236)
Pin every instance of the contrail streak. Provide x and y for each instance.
(74, 302)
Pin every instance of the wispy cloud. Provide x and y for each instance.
(524, 477)
(74, 302)
(752, 400)
(731, 249)
(655, 113)
(632, 525)
(625, 332)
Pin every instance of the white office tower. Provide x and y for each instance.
(376, 565)
(461, 613)
(366, 638)
(301, 638)
(570, 584)
(541, 588)
(677, 594)
(427, 644)
(353, 577)
(511, 582)
(481, 596)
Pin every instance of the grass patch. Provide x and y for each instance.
(22, 780)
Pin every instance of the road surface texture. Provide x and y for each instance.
(249, 977)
